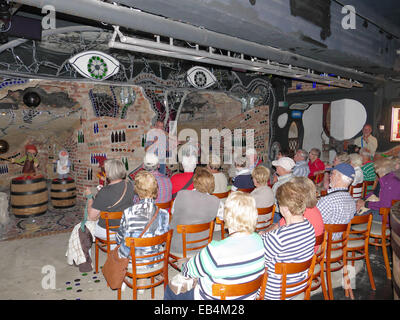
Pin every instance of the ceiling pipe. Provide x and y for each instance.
(137, 20)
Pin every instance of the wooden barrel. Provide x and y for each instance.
(395, 243)
(29, 197)
(63, 193)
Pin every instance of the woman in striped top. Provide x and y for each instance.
(292, 243)
(236, 259)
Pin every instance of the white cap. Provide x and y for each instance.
(284, 162)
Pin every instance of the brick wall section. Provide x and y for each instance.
(62, 133)
(222, 112)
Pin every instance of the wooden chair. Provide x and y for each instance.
(222, 195)
(222, 224)
(358, 242)
(167, 206)
(157, 263)
(318, 279)
(241, 289)
(286, 269)
(380, 236)
(264, 222)
(247, 190)
(356, 191)
(367, 184)
(105, 244)
(335, 253)
(184, 230)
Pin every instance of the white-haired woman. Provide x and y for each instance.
(236, 259)
(116, 196)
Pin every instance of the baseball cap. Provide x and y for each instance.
(284, 162)
(150, 159)
(345, 169)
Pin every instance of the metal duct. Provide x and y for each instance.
(137, 20)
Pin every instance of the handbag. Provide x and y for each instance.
(114, 269)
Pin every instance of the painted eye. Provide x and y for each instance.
(200, 77)
(95, 65)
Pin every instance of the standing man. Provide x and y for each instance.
(301, 168)
(367, 141)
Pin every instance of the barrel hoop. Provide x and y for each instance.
(62, 181)
(67, 198)
(64, 207)
(395, 244)
(30, 205)
(30, 215)
(28, 181)
(395, 225)
(62, 190)
(25, 193)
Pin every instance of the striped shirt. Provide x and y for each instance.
(236, 259)
(164, 187)
(369, 171)
(337, 207)
(301, 169)
(135, 219)
(290, 244)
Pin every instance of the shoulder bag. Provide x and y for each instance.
(114, 269)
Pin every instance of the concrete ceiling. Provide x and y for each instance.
(301, 32)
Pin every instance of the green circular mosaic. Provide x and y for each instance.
(97, 67)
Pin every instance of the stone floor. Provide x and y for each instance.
(29, 266)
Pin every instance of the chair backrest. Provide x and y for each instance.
(163, 242)
(356, 191)
(286, 269)
(264, 222)
(113, 216)
(320, 244)
(366, 184)
(222, 224)
(339, 244)
(361, 234)
(385, 218)
(247, 190)
(164, 205)
(222, 195)
(185, 229)
(241, 289)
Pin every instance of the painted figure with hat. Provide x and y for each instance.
(29, 161)
(63, 165)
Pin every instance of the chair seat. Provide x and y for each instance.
(335, 254)
(376, 228)
(355, 243)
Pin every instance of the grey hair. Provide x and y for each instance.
(317, 151)
(115, 169)
(355, 159)
(304, 154)
(345, 179)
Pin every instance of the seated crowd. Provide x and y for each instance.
(302, 204)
